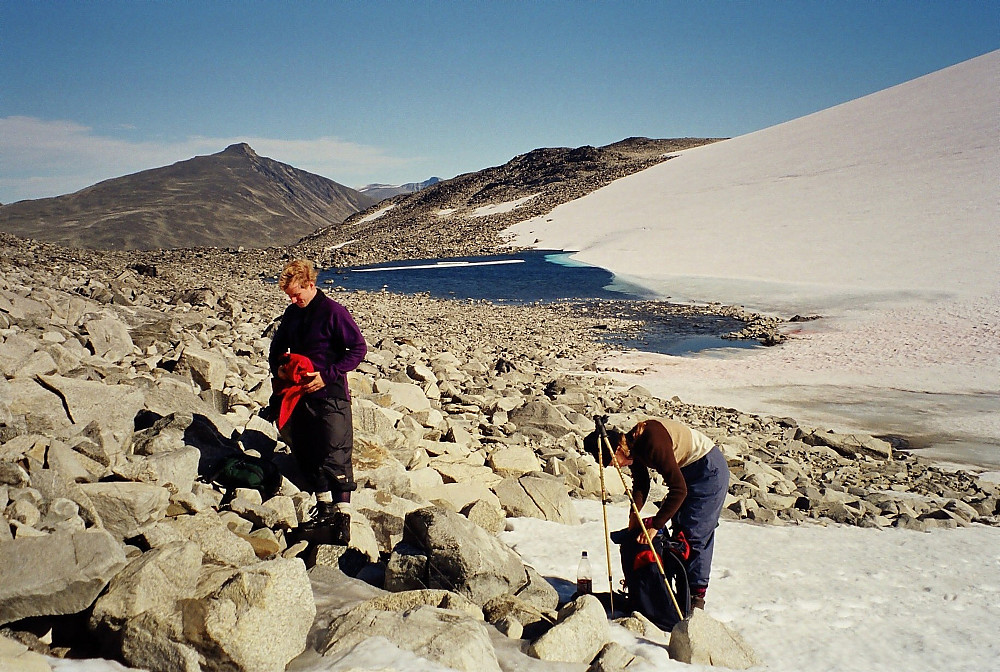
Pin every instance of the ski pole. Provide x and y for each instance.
(649, 540)
(607, 534)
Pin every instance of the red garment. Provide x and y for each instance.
(296, 367)
(643, 558)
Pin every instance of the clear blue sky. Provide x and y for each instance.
(394, 92)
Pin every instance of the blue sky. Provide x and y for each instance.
(394, 92)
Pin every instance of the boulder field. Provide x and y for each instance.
(122, 390)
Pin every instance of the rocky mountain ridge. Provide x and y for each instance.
(380, 192)
(230, 199)
(464, 216)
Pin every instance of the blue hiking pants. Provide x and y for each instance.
(707, 482)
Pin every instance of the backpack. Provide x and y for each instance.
(644, 586)
(247, 471)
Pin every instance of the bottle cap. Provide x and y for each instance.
(584, 554)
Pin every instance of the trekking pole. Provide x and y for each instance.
(607, 534)
(649, 540)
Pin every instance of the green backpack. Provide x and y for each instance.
(247, 471)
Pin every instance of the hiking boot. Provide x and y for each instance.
(320, 516)
(340, 527)
(697, 602)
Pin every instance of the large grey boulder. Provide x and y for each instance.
(702, 640)
(155, 580)
(404, 395)
(533, 621)
(456, 496)
(73, 465)
(514, 461)
(372, 419)
(112, 407)
(14, 351)
(109, 338)
(125, 507)
(849, 445)
(38, 363)
(173, 396)
(459, 555)
(386, 513)
(206, 433)
(176, 469)
(21, 307)
(537, 496)
(542, 415)
(219, 544)
(155, 641)
(54, 485)
(442, 599)
(537, 591)
(256, 621)
(42, 409)
(60, 573)
(614, 658)
(207, 369)
(450, 637)
(580, 632)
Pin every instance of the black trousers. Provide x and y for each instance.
(320, 434)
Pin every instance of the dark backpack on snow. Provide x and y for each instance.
(645, 587)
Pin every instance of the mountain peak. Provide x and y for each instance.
(230, 198)
(240, 149)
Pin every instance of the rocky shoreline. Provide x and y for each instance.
(127, 378)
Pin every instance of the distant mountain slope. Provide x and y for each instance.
(380, 192)
(464, 215)
(230, 199)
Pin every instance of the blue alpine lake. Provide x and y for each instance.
(545, 276)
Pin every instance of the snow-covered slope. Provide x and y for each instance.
(882, 214)
(894, 191)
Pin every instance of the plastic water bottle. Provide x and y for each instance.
(584, 577)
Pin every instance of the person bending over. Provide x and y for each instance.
(697, 478)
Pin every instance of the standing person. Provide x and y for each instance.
(696, 473)
(314, 347)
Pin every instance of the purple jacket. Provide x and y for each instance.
(326, 333)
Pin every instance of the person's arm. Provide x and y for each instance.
(355, 347)
(655, 443)
(640, 491)
(347, 347)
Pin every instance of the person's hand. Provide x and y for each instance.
(650, 528)
(315, 383)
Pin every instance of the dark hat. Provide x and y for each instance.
(592, 444)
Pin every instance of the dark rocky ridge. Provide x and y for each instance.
(442, 220)
(233, 198)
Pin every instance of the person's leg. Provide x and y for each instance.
(307, 435)
(300, 433)
(707, 481)
(336, 471)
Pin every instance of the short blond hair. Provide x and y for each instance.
(298, 272)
